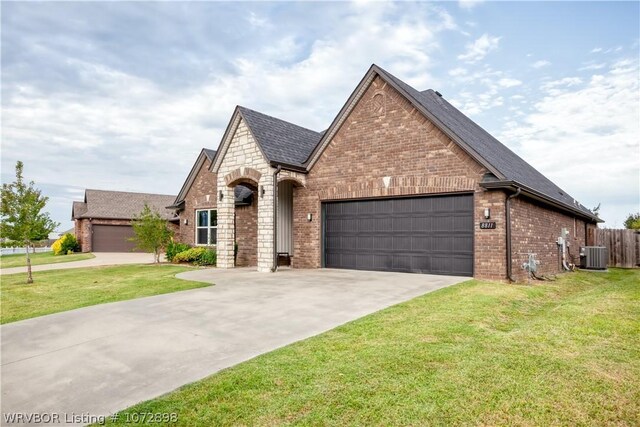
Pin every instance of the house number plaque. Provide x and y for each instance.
(488, 225)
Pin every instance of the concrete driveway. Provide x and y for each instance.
(102, 359)
(101, 258)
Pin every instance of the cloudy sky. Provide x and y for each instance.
(122, 95)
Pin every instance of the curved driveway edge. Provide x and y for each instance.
(102, 359)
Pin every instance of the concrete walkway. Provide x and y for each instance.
(102, 359)
(102, 258)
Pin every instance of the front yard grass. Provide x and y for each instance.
(480, 353)
(20, 260)
(61, 290)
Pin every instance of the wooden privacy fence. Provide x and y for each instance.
(623, 246)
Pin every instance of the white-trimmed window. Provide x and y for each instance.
(206, 227)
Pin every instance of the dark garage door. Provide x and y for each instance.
(417, 235)
(112, 238)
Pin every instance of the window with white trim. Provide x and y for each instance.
(206, 227)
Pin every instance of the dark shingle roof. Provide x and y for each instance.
(281, 141)
(120, 204)
(209, 153)
(494, 153)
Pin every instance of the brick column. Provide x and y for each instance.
(265, 224)
(226, 232)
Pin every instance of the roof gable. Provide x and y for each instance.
(470, 137)
(280, 141)
(120, 204)
(205, 154)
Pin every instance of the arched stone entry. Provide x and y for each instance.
(262, 187)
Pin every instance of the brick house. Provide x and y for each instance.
(103, 220)
(400, 181)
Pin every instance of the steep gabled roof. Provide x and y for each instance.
(508, 168)
(209, 153)
(295, 147)
(205, 154)
(119, 204)
(496, 156)
(280, 141)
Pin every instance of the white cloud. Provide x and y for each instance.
(596, 50)
(257, 21)
(478, 49)
(508, 82)
(481, 88)
(541, 63)
(586, 138)
(130, 133)
(469, 4)
(557, 87)
(592, 66)
(456, 72)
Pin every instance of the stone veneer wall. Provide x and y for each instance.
(243, 162)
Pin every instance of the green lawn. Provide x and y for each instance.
(62, 290)
(480, 353)
(20, 260)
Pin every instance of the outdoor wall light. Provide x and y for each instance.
(221, 195)
(487, 213)
(186, 221)
(261, 191)
(309, 217)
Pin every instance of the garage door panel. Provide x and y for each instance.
(421, 243)
(112, 238)
(382, 242)
(401, 243)
(421, 263)
(420, 234)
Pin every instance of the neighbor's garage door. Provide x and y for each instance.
(112, 238)
(417, 235)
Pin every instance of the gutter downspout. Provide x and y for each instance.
(508, 221)
(275, 218)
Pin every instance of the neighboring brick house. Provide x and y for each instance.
(400, 181)
(103, 219)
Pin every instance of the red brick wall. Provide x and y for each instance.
(490, 245)
(384, 136)
(536, 228)
(205, 184)
(247, 233)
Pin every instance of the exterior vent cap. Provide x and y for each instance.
(438, 93)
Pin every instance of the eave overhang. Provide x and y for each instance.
(536, 195)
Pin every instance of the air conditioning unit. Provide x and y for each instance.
(593, 257)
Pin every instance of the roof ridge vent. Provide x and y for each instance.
(438, 93)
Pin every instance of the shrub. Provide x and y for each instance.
(174, 248)
(65, 245)
(208, 257)
(56, 247)
(197, 256)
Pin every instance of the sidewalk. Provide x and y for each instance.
(102, 258)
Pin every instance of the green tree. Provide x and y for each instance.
(21, 216)
(152, 233)
(633, 221)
